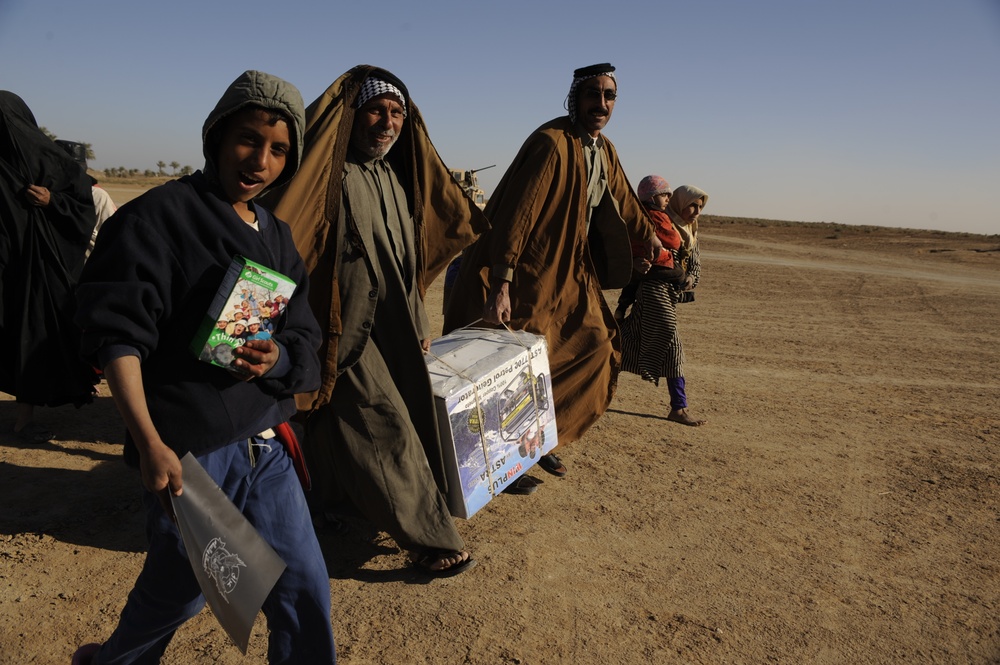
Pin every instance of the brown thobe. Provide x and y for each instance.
(539, 243)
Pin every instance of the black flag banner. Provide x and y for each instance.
(235, 567)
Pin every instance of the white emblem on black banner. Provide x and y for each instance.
(235, 567)
(222, 566)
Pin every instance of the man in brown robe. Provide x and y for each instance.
(562, 219)
(376, 216)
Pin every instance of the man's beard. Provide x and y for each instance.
(377, 151)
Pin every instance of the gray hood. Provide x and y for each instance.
(253, 88)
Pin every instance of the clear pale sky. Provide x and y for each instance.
(879, 112)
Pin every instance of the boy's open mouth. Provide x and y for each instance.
(249, 180)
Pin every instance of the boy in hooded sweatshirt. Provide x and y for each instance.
(153, 273)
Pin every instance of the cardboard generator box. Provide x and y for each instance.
(493, 396)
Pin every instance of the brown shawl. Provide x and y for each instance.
(445, 218)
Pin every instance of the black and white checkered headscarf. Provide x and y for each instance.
(373, 87)
(571, 98)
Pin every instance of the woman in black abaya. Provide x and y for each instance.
(46, 219)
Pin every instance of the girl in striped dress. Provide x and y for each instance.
(651, 347)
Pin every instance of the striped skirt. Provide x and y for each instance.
(650, 345)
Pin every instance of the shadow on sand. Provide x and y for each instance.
(96, 507)
(101, 506)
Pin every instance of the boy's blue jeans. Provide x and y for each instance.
(166, 594)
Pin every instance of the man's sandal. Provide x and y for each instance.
(523, 486)
(552, 464)
(428, 558)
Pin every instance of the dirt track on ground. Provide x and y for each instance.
(841, 506)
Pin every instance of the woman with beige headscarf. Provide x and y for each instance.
(651, 347)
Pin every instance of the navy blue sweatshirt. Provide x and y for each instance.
(157, 264)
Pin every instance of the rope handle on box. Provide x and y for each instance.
(534, 388)
(479, 416)
(531, 379)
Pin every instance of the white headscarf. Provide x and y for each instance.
(374, 87)
(684, 196)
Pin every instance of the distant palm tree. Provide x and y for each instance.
(160, 165)
(175, 166)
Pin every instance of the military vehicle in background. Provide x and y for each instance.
(470, 183)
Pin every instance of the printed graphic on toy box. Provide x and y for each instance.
(249, 305)
(500, 425)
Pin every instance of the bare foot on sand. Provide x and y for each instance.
(684, 418)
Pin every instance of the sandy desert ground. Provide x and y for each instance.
(841, 505)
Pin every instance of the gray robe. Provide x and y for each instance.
(376, 441)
